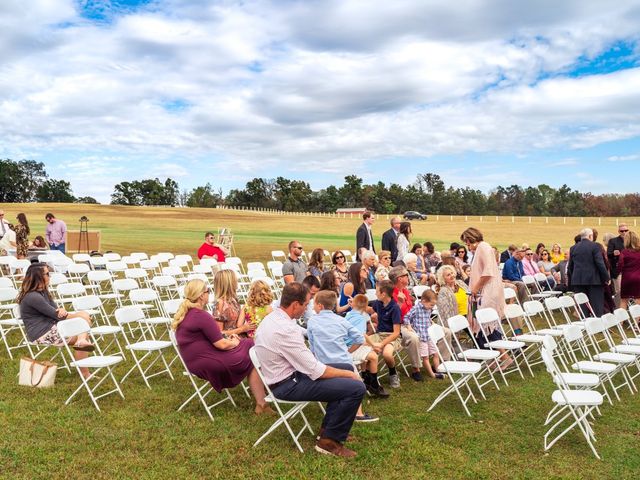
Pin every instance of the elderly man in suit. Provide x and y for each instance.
(587, 271)
(390, 238)
(364, 237)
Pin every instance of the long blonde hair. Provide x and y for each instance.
(192, 290)
(225, 284)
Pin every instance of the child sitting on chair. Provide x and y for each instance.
(328, 335)
(364, 354)
(258, 305)
(419, 317)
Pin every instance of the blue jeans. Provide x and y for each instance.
(343, 397)
(59, 247)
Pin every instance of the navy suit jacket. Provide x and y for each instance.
(389, 243)
(362, 240)
(504, 256)
(586, 265)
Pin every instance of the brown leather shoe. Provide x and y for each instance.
(327, 446)
(350, 438)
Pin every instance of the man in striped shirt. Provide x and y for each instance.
(293, 373)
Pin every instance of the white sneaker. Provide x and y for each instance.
(394, 381)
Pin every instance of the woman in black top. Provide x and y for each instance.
(41, 315)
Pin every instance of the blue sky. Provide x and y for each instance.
(482, 93)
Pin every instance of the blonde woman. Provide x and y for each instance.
(226, 309)
(556, 255)
(223, 362)
(258, 304)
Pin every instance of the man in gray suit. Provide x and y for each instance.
(587, 271)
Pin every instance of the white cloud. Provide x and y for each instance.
(624, 158)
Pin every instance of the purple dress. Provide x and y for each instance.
(222, 368)
(629, 268)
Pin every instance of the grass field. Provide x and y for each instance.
(144, 437)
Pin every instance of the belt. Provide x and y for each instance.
(277, 384)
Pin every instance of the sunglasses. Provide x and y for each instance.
(340, 257)
(529, 254)
(386, 258)
(623, 231)
(298, 248)
(461, 251)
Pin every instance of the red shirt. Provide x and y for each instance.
(407, 304)
(210, 251)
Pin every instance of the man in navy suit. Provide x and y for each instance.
(390, 238)
(364, 237)
(587, 271)
(508, 253)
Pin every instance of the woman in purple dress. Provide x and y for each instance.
(224, 362)
(629, 268)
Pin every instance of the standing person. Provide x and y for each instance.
(629, 270)
(224, 362)
(293, 373)
(56, 233)
(404, 240)
(22, 236)
(390, 238)
(614, 248)
(588, 272)
(485, 283)
(364, 237)
(4, 224)
(211, 249)
(294, 269)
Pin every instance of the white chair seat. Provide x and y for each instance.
(465, 368)
(8, 306)
(105, 330)
(632, 341)
(554, 332)
(628, 349)
(269, 398)
(479, 354)
(614, 357)
(506, 344)
(10, 322)
(529, 338)
(594, 367)
(580, 379)
(149, 345)
(157, 320)
(97, 361)
(577, 397)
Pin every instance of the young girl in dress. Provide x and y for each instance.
(258, 305)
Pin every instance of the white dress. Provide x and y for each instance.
(403, 246)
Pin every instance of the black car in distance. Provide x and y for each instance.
(411, 215)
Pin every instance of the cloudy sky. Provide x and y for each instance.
(484, 93)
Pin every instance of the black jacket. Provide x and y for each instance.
(389, 239)
(362, 241)
(586, 265)
(615, 243)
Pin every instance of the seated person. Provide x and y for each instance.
(210, 249)
(8, 241)
(419, 317)
(258, 304)
(328, 335)
(39, 243)
(41, 315)
(387, 317)
(364, 354)
(224, 362)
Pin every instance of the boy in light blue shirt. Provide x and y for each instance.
(328, 335)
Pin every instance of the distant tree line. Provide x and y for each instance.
(27, 181)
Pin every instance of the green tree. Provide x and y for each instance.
(351, 191)
(204, 197)
(58, 191)
(86, 200)
(20, 180)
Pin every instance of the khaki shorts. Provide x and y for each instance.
(360, 355)
(396, 344)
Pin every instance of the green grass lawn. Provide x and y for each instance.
(144, 437)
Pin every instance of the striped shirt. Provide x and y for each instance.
(281, 349)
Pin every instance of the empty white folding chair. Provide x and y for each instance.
(583, 305)
(131, 262)
(56, 278)
(142, 345)
(579, 403)
(181, 263)
(101, 329)
(151, 266)
(59, 263)
(543, 281)
(165, 285)
(162, 257)
(535, 292)
(98, 263)
(204, 269)
(116, 268)
(140, 255)
(532, 339)
(112, 256)
(278, 255)
(72, 328)
(211, 263)
(625, 317)
(202, 388)
(511, 294)
(122, 287)
(460, 373)
(77, 271)
(101, 282)
(81, 258)
(10, 323)
(284, 416)
(487, 317)
(66, 292)
(174, 271)
(418, 290)
(140, 275)
(148, 299)
(533, 309)
(634, 313)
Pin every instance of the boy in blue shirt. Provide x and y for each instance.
(328, 335)
(388, 318)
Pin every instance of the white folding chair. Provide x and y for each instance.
(72, 328)
(138, 274)
(532, 339)
(579, 403)
(98, 263)
(81, 258)
(582, 304)
(140, 341)
(150, 266)
(165, 285)
(77, 271)
(418, 290)
(112, 257)
(458, 372)
(10, 322)
(122, 286)
(140, 255)
(101, 329)
(66, 292)
(202, 390)
(284, 416)
(278, 255)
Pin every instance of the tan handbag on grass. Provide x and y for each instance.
(35, 373)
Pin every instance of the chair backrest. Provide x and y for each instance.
(549, 343)
(6, 283)
(72, 327)
(87, 302)
(509, 293)
(436, 332)
(124, 284)
(141, 295)
(112, 256)
(634, 311)
(622, 314)
(457, 323)
(540, 277)
(594, 325)
(163, 257)
(171, 306)
(98, 262)
(78, 269)
(581, 298)
(130, 261)
(164, 281)
(97, 276)
(173, 271)
(513, 311)
(198, 276)
(128, 314)
(486, 315)
(70, 289)
(209, 262)
(572, 333)
(136, 273)
(117, 266)
(528, 280)
(255, 266)
(202, 268)
(81, 257)
(140, 255)
(371, 294)
(418, 290)
(179, 263)
(275, 254)
(552, 303)
(56, 278)
(149, 264)
(8, 294)
(183, 257)
(533, 307)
